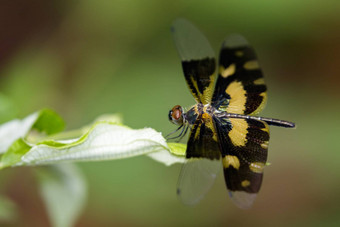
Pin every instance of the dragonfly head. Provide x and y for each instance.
(176, 115)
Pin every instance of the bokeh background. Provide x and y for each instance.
(87, 58)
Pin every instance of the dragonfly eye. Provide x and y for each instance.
(170, 115)
(175, 115)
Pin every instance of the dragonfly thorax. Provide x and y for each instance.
(198, 110)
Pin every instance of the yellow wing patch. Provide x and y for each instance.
(225, 72)
(207, 119)
(238, 98)
(231, 160)
(251, 65)
(259, 81)
(238, 132)
(245, 183)
(208, 91)
(239, 53)
(198, 131)
(265, 144)
(257, 167)
(266, 129)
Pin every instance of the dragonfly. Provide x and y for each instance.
(225, 129)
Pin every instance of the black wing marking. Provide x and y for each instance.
(203, 141)
(198, 59)
(244, 145)
(240, 87)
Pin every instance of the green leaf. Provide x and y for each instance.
(14, 153)
(104, 140)
(49, 122)
(46, 121)
(64, 191)
(177, 148)
(15, 129)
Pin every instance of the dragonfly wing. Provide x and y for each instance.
(196, 178)
(244, 146)
(240, 87)
(198, 59)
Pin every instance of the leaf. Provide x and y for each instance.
(14, 153)
(104, 140)
(178, 148)
(46, 121)
(15, 129)
(49, 122)
(176, 154)
(64, 191)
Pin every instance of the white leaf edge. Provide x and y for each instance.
(165, 157)
(15, 129)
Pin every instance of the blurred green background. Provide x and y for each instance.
(87, 58)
